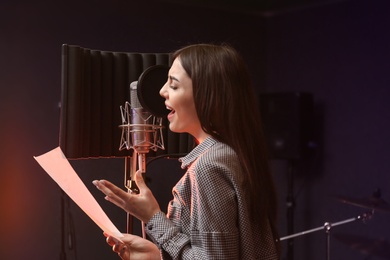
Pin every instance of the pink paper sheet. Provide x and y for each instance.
(58, 167)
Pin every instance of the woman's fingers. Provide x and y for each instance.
(112, 192)
(143, 205)
(117, 246)
(139, 180)
(111, 240)
(108, 188)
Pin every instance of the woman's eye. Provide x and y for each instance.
(173, 87)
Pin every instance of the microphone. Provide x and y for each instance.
(142, 121)
(139, 132)
(142, 126)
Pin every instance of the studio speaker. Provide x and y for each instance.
(286, 119)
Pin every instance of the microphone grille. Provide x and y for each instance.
(134, 101)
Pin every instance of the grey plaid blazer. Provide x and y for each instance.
(208, 218)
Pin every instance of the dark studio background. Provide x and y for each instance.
(336, 50)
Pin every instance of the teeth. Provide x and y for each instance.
(169, 108)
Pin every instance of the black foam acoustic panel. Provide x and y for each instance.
(94, 85)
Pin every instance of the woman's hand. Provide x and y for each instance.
(143, 205)
(133, 247)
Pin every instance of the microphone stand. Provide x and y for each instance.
(328, 226)
(67, 228)
(141, 131)
(130, 170)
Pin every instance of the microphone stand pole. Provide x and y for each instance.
(130, 169)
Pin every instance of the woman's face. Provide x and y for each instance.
(179, 98)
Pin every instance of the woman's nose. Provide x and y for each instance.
(163, 90)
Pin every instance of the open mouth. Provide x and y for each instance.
(172, 111)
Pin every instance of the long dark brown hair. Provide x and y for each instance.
(227, 108)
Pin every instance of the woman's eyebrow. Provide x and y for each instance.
(173, 78)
